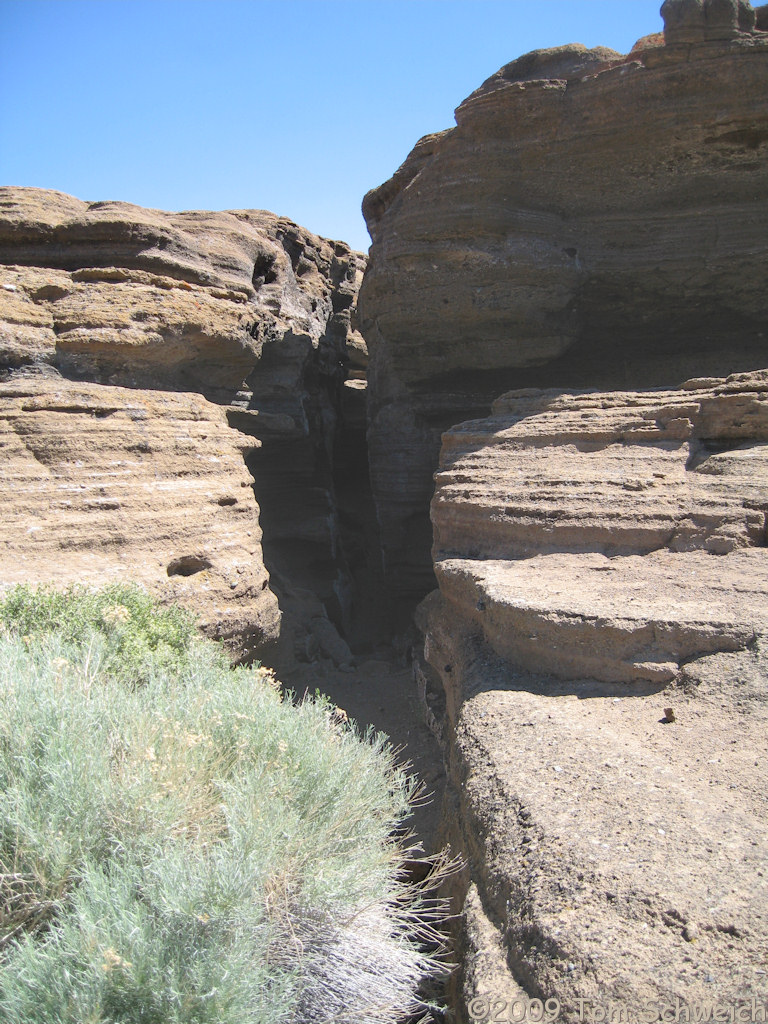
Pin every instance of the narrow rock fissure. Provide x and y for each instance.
(341, 634)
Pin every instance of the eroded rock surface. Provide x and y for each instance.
(614, 472)
(590, 237)
(617, 859)
(104, 484)
(117, 293)
(247, 309)
(593, 220)
(602, 557)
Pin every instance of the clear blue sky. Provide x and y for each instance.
(295, 106)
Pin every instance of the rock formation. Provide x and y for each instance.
(248, 310)
(591, 238)
(106, 483)
(627, 493)
(119, 294)
(593, 220)
(601, 557)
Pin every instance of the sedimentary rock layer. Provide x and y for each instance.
(615, 859)
(593, 220)
(243, 307)
(613, 472)
(105, 484)
(603, 557)
(113, 292)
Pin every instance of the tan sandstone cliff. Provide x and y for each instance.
(602, 557)
(593, 220)
(144, 357)
(590, 240)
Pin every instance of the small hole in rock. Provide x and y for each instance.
(187, 565)
(264, 270)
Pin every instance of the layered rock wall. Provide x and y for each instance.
(579, 533)
(619, 473)
(602, 557)
(247, 310)
(591, 239)
(593, 220)
(106, 483)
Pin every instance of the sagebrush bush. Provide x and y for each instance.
(178, 843)
(138, 636)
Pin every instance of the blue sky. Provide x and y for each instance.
(295, 106)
